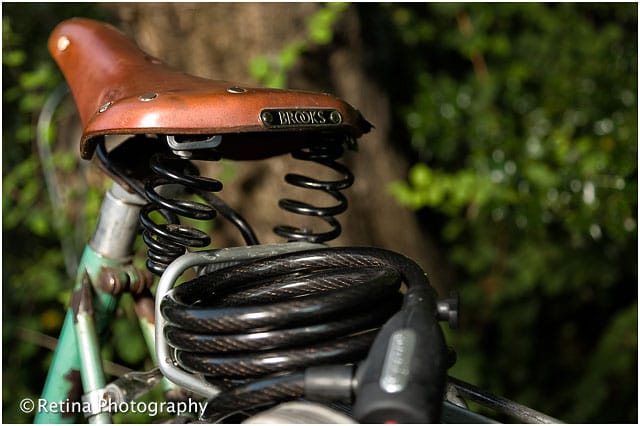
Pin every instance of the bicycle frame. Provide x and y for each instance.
(107, 259)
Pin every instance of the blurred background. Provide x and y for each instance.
(503, 159)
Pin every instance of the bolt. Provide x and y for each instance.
(142, 281)
(112, 282)
(448, 310)
(335, 117)
(63, 43)
(147, 277)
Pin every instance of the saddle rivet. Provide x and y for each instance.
(236, 90)
(63, 43)
(148, 97)
(266, 117)
(105, 107)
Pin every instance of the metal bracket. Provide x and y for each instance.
(181, 147)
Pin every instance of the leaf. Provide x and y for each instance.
(14, 58)
(540, 175)
(290, 54)
(319, 25)
(259, 68)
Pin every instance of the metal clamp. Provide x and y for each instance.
(96, 401)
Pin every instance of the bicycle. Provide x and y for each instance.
(291, 332)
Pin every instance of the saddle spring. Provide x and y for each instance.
(169, 240)
(325, 154)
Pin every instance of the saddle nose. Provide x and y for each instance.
(120, 89)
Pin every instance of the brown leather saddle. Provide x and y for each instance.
(119, 89)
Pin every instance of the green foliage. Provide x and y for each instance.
(36, 282)
(524, 124)
(272, 71)
(26, 81)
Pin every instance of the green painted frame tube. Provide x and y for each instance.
(70, 374)
(63, 385)
(63, 380)
(92, 372)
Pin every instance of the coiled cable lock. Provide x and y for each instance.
(243, 336)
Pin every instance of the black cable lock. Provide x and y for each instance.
(252, 328)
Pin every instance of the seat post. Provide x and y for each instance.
(118, 224)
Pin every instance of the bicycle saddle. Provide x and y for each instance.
(119, 89)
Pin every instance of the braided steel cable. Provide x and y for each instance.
(242, 325)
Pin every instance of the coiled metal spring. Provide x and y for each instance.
(167, 241)
(325, 155)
